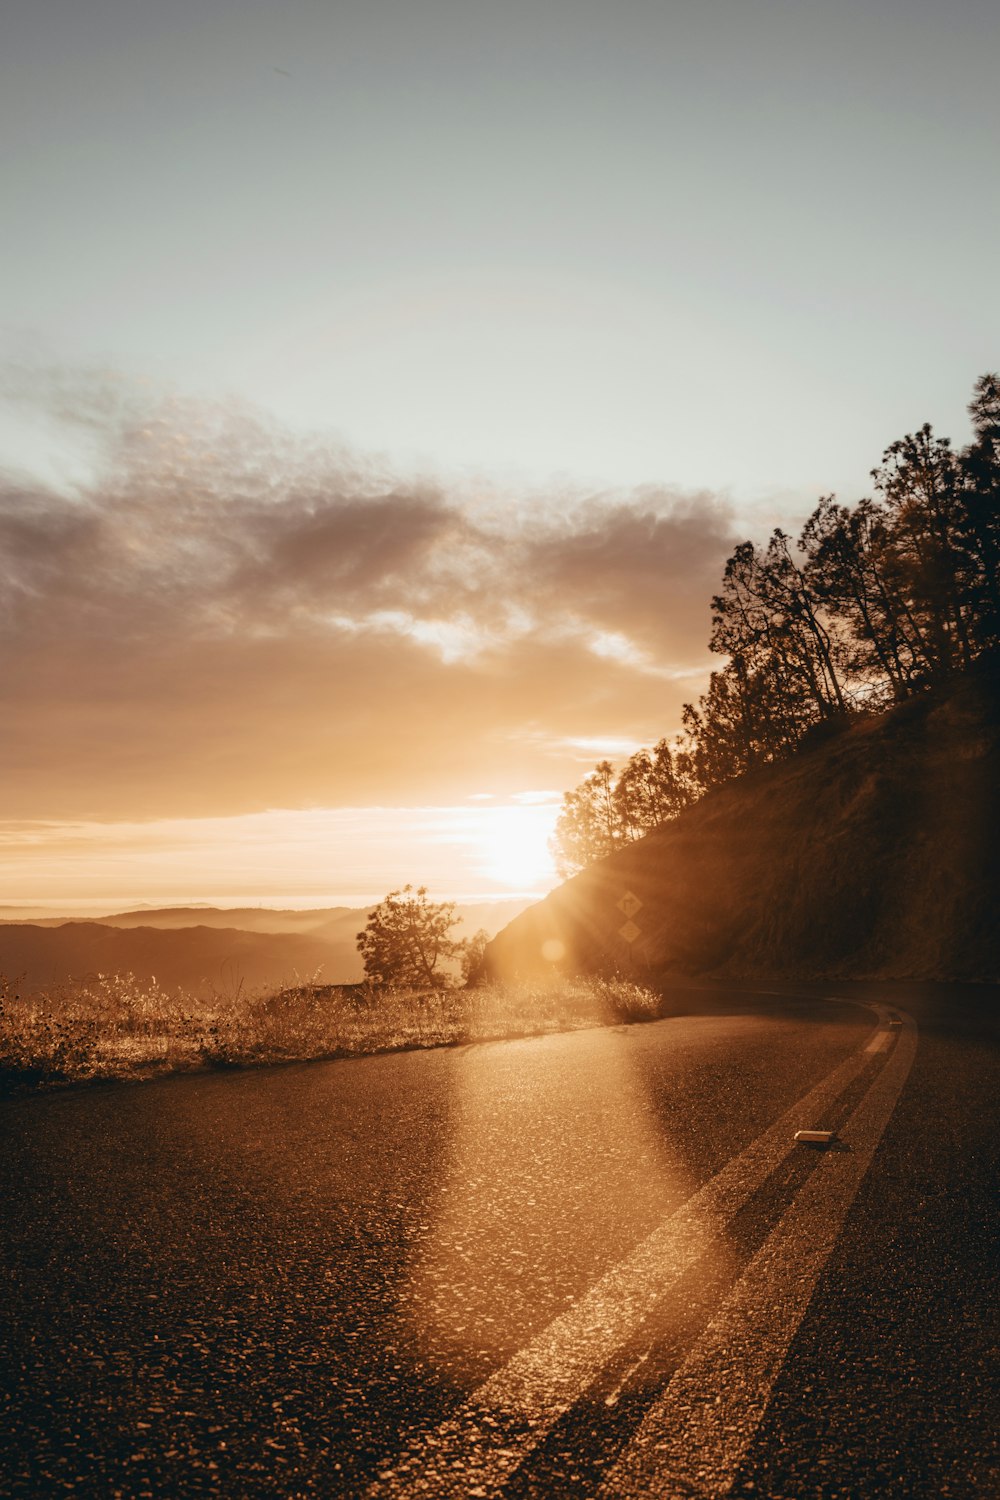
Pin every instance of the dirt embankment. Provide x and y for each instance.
(874, 853)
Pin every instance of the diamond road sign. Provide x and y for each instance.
(629, 904)
(630, 932)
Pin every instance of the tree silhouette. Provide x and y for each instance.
(876, 603)
(606, 811)
(407, 938)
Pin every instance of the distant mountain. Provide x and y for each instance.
(872, 853)
(206, 950)
(201, 959)
(245, 919)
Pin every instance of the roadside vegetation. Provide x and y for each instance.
(423, 988)
(118, 1027)
(872, 605)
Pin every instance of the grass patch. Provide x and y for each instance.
(114, 1026)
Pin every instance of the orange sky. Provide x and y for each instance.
(222, 632)
(315, 857)
(478, 249)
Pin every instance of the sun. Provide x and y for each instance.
(515, 847)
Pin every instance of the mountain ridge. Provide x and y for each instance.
(204, 957)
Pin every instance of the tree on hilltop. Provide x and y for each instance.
(407, 938)
(607, 810)
(871, 604)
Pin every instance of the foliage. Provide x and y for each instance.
(117, 1027)
(870, 605)
(607, 811)
(627, 1000)
(407, 939)
(95, 1027)
(474, 957)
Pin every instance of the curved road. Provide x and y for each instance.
(594, 1264)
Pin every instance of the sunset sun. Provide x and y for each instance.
(515, 847)
(499, 748)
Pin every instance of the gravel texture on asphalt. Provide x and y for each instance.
(260, 1283)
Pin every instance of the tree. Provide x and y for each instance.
(407, 938)
(852, 568)
(650, 790)
(587, 827)
(981, 495)
(875, 604)
(767, 620)
(474, 958)
(920, 484)
(605, 812)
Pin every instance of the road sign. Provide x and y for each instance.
(629, 904)
(630, 932)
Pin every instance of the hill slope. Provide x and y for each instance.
(873, 853)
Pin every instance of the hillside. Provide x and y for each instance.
(205, 949)
(874, 852)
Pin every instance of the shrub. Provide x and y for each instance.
(626, 999)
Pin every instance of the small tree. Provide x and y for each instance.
(407, 938)
(474, 958)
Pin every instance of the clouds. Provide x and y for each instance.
(225, 617)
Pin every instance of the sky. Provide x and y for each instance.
(383, 386)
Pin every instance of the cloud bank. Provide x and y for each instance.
(224, 617)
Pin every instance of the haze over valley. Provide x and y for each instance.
(205, 951)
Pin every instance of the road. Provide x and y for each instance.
(593, 1264)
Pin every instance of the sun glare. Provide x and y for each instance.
(515, 847)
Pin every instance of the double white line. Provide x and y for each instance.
(693, 1438)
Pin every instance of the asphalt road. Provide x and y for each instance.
(586, 1265)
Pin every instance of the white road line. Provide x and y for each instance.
(612, 1399)
(693, 1440)
(547, 1376)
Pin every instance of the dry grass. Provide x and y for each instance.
(116, 1027)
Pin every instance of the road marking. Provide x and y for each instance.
(692, 1441)
(612, 1398)
(506, 1417)
(879, 1041)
